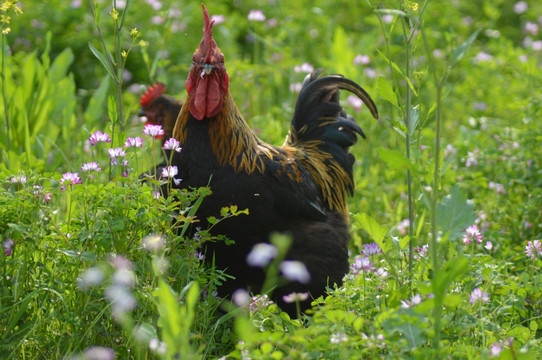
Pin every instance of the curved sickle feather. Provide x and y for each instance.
(335, 82)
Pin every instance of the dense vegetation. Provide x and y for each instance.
(446, 254)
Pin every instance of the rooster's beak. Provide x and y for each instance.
(207, 69)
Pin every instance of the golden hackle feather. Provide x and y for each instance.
(233, 143)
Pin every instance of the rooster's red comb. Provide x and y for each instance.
(207, 46)
(152, 93)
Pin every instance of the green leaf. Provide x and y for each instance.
(376, 231)
(170, 319)
(385, 90)
(96, 104)
(451, 271)
(414, 119)
(397, 160)
(454, 214)
(103, 60)
(112, 108)
(460, 51)
(398, 70)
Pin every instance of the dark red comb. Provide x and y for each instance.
(152, 93)
(207, 45)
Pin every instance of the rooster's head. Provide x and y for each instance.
(208, 80)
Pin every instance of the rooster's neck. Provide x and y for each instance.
(232, 141)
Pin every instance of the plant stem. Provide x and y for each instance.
(4, 97)
(409, 174)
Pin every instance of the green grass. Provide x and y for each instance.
(459, 83)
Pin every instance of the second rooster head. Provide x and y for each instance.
(208, 80)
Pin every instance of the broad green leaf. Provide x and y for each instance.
(450, 271)
(95, 107)
(103, 60)
(414, 119)
(170, 319)
(460, 51)
(454, 214)
(398, 70)
(376, 231)
(112, 108)
(397, 160)
(385, 90)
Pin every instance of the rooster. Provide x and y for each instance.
(299, 188)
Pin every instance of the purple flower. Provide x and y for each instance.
(370, 72)
(172, 144)
(170, 172)
(261, 254)
(97, 137)
(115, 153)
(8, 246)
(362, 264)
(295, 271)
(483, 57)
(304, 68)
(240, 297)
(19, 179)
(499, 188)
(361, 60)
(258, 302)
(121, 299)
(295, 297)
(450, 150)
(402, 227)
(382, 273)
(91, 166)
(533, 248)
(156, 4)
(371, 249)
(495, 349)
(416, 300)
(520, 7)
(256, 15)
(90, 277)
(478, 295)
(296, 87)
(355, 102)
(338, 338)
(153, 130)
(388, 18)
(421, 252)
(99, 353)
(488, 246)
(472, 158)
(69, 179)
(537, 45)
(531, 28)
(218, 19)
(133, 142)
(472, 234)
(157, 20)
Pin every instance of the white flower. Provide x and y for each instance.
(295, 271)
(261, 254)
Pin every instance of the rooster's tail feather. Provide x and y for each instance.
(325, 132)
